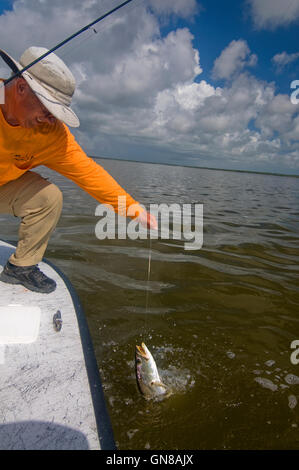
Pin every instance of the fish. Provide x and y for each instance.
(147, 375)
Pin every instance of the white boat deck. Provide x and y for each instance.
(50, 395)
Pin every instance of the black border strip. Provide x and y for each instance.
(105, 431)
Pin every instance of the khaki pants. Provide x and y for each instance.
(38, 203)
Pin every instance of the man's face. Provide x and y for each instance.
(30, 112)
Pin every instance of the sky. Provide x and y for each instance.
(200, 83)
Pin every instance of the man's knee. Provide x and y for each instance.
(44, 197)
(53, 196)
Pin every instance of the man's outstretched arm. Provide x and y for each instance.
(73, 163)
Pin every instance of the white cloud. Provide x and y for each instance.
(192, 96)
(233, 59)
(283, 59)
(270, 14)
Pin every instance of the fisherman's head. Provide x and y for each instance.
(23, 108)
(43, 93)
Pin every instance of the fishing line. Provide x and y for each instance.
(148, 275)
(145, 323)
(77, 44)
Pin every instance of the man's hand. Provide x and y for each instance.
(147, 220)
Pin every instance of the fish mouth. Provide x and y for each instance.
(141, 350)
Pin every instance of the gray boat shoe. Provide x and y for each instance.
(29, 276)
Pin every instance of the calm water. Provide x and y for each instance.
(219, 320)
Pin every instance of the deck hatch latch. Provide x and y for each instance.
(57, 321)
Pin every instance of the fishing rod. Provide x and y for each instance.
(17, 72)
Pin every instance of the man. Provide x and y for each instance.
(34, 120)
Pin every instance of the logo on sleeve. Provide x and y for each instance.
(22, 161)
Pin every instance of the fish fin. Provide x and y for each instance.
(159, 384)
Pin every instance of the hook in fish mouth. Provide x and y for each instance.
(142, 351)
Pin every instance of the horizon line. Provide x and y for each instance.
(200, 167)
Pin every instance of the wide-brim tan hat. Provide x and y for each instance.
(51, 81)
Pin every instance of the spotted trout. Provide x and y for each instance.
(147, 375)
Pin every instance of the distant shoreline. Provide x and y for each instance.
(199, 167)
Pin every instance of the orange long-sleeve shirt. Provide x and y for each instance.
(54, 146)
